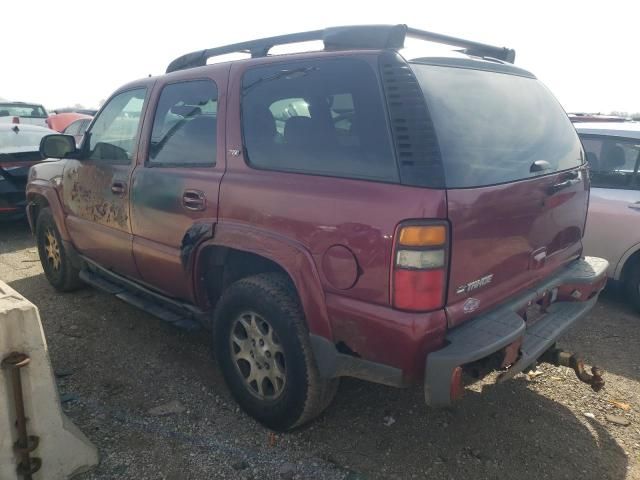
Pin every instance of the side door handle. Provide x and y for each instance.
(634, 206)
(194, 200)
(571, 179)
(118, 188)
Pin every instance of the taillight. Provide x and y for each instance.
(420, 267)
(15, 120)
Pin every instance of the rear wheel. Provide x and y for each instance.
(262, 346)
(62, 275)
(632, 284)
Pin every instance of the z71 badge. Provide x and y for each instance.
(469, 287)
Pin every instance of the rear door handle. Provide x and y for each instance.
(194, 200)
(118, 188)
(634, 206)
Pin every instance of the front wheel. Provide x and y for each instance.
(262, 346)
(57, 266)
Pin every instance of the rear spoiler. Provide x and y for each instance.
(344, 38)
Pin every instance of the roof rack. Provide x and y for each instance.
(340, 38)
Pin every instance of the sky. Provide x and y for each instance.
(71, 52)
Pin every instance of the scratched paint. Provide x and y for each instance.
(88, 194)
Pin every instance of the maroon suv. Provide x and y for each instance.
(346, 212)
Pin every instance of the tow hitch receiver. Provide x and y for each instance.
(560, 358)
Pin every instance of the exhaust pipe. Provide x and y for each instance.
(560, 358)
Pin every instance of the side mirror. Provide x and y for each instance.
(58, 146)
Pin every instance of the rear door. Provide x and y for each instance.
(175, 188)
(613, 223)
(517, 189)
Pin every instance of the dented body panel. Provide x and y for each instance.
(165, 231)
(98, 219)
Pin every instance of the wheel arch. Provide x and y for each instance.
(630, 258)
(237, 251)
(40, 196)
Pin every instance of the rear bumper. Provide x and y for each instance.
(579, 285)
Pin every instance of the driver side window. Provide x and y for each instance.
(114, 133)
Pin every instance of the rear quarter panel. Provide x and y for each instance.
(345, 226)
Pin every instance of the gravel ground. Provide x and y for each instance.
(116, 364)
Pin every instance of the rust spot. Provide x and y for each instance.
(90, 197)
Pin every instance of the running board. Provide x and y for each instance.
(179, 315)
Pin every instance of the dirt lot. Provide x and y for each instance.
(116, 363)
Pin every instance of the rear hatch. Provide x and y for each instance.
(517, 188)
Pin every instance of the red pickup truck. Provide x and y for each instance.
(345, 212)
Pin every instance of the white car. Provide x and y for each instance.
(21, 112)
(613, 221)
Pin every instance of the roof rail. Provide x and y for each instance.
(340, 38)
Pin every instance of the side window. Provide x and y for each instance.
(613, 161)
(318, 117)
(114, 133)
(83, 126)
(73, 128)
(184, 126)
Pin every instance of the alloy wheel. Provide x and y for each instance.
(258, 356)
(52, 249)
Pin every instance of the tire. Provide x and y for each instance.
(287, 391)
(62, 275)
(632, 284)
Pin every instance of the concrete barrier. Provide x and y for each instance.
(63, 449)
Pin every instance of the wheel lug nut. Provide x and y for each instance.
(261, 342)
(268, 354)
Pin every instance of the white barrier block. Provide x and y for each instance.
(64, 450)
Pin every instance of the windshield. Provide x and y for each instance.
(21, 140)
(491, 127)
(22, 110)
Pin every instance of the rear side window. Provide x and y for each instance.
(491, 127)
(323, 117)
(73, 128)
(184, 126)
(613, 162)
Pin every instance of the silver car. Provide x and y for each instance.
(613, 222)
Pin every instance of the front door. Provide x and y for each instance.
(174, 197)
(613, 223)
(96, 186)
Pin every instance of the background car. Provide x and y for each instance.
(613, 222)
(87, 111)
(595, 117)
(78, 128)
(19, 146)
(21, 112)
(59, 122)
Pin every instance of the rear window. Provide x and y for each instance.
(323, 117)
(491, 127)
(22, 110)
